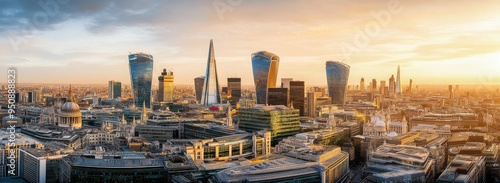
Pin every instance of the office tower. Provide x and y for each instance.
(198, 87)
(297, 99)
(411, 85)
(114, 89)
(37, 165)
(374, 85)
(382, 88)
(234, 87)
(265, 72)
(392, 84)
(31, 97)
(398, 82)
(362, 84)
(166, 86)
(278, 96)
(285, 82)
(211, 91)
(337, 75)
(95, 99)
(450, 89)
(280, 120)
(311, 104)
(456, 90)
(141, 76)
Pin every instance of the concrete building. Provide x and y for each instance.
(39, 166)
(466, 169)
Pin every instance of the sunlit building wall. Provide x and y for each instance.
(166, 86)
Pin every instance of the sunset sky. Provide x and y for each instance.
(87, 42)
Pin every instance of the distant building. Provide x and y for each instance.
(337, 75)
(362, 84)
(265, 72)
(166, 86)
(285, 82)
(141, 75)
(297, 99)
(280, 120)
(157, 133)
(114, 89)
(278, 96)
(234, 88)
(198, 87)
(399, 86)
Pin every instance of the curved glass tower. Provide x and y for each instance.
(141, 75)
(337, 74)
(265, 73)
(211, 94)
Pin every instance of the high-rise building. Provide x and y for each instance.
(398, 83)
(297, 92)
(392, 84)
(362, 84)
(166, 86)
(265, 72)
(234, 87)
(114, 89)
(311, 104)
(198, 87)
(382, 88)
(285, 82)
(211, 91)
(374, 85)
(337, 75)
(450, 89)
(410, 89)
(278, 96)
(31, 97)
(141, 76)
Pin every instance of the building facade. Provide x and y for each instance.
(337, 75)
(211, 91)
(141, 75)
(166, 86)
(265, 72)
(297, 99)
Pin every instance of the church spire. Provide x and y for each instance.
(70, 94)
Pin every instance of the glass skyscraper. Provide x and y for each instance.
(141, 75)
(337, 74)
(265, 72)
(166, 86)
(211, 91)
(114, 89)
(198, 87)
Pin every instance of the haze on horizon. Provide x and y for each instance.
(87, 42)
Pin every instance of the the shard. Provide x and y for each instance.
(398, 82)
(211, 94)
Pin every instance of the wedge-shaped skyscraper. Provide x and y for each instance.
(211, 92)
(337, 75)
(265, 73)
(141, 75)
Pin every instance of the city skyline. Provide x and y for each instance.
(66, 43)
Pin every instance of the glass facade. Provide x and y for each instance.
(117, 89)
(234, 87)
(337, 75)
(198, 87)
(297, 99)
(211, 93)
(141, 75)
(265, 73)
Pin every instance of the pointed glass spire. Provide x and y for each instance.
(211, 94)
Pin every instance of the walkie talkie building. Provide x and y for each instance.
(265, 73)
(337, 75)
(141, 75)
